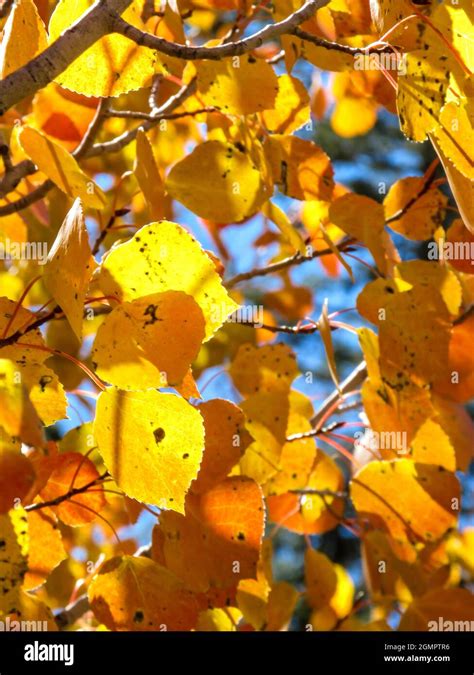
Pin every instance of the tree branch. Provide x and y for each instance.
(128, 136)
(336, 46)
(320, 493)
(67, 495)
(296, 259)
(218, 52)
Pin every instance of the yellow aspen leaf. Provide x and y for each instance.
(281, 604)
(363, 218)
(46, 392)
(61, 114)
(419, 215)
(11, 285)
(17, 476)
(135, 594)
(73, 470)
(118, 64)
(271, 368)
(79, 439)
(59, 335)
(152, 444)
(325, 59)
(252, 598)
(60, 167)
(46, 549)
(458, 425)
(311, 513)
(376, 548)
(339, 605)
(413, 503)
(441, 609)
(455, 22)
(240, 85)
(28, 608)
(42, 459)
(218, 541)
(300, 168)
(218, 181)
(432, 445)
(284, 224)
(297, 457)
(320, 578)
(457, 380)
(386, 13)
(395, 414)
(219, 619)
(461, 187)
(188, 387)
(461, 548)
(69, 267)
(24, 36)
(455, 137)
(423, 86)
(14, 561)
(30, 388)
(337, 253)
(125, 348)
(266, 421)
(291, 110)
(440, 278)
(149, 177)
(226, 440)
(369, 343)
(292, 302)
(414, 338)
(400, 579)
(353, 116)
(161, 257)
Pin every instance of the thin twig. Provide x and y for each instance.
(296, 259)
(67, 495)
(244, 46)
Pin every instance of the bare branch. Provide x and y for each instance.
(138, 115)
(68, 495)
(93, 129)
(320, 493)
(335, 46)
(269, 32)
(29, 199)
(314, 432)
(296, 259)
(128, 136)
(5, 8)
(14, 173)
(70, 614)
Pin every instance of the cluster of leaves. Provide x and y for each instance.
(129, 309)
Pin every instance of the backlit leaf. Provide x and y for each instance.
(152, 444)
